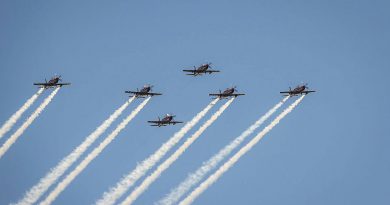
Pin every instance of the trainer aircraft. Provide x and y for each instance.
(299, 90)
(229, 92)
(167, 120)
(202, 69)
(52, 83)
(144, 92)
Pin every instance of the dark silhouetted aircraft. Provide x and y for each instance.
(167, 120)
(53, 82)
(299, 90)
(145, 91)
(229, 92)
(203, 69)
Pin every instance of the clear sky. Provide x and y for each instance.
(332, 149)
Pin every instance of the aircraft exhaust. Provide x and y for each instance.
(56, 172)
(168, 162)
(195, 177)
(27, 123)
(127, 181)
(15, 117)
(91, 156)
(225, 167)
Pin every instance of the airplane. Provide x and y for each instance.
(229, 92)
(145, 91)
(300, 89)
(202, 69)
(53, 82)
(167, 120)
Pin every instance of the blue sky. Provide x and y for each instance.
(332, 149)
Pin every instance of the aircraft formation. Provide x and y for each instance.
(197, 71)
(146, 93)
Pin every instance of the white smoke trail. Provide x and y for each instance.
(50, 178)
(15, 117)
(27, 123)
(166, 164)
(91, 156)
(198, 175)
(225, 167)
(126, 182)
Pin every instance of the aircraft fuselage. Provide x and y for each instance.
(298, 90)
(228, 91)
(53, 81)
(167, 119)
(203, 68)
(145, 89)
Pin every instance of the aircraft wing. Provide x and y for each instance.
(142, 93)
(62, 84)
(192, 72)
(153, 94)
(236, 95)
(220, 95)
(51, 85)
(212, 71)
(44, 84)
(136, 94)
(226, 95)
(155, 122)
(175, 122)
(295, 94)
